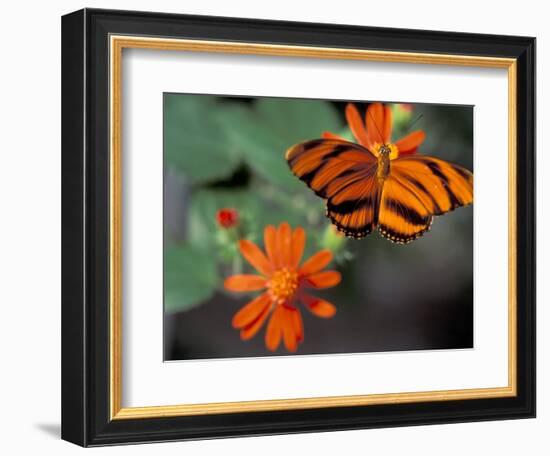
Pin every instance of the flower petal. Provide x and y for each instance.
(375, 119)
(318, 306)
(255, 257)
(329, 135)
(284, 237)
(388, 124)
(316, 262)
(410, 143)
(289, 335)
(298, 325)
(356, 124)
(244, 282)
(274, 330)
(298, 244)
(325, 279)
(251, 311)
(250, 331)
(270, 241)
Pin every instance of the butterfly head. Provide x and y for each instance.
(386, 150)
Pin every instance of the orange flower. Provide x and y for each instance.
(285, 283)
(375, 131)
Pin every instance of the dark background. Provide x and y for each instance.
(392, 297)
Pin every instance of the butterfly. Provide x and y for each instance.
(376, 184)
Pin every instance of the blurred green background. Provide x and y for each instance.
(228, 152)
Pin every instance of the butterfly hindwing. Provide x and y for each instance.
(354, 209)
(403, 216)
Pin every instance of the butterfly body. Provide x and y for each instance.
(383, 170)
(380, 186)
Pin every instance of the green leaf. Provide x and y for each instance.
(296, 120)
(262, 150)
(190, 278)
(195, 144)
(263, 135)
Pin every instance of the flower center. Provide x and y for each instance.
(386, 150)
(283, 284)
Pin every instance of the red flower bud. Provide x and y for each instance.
(227, 217)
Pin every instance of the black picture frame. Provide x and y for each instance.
(85, 227)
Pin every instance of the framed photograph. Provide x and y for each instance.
(275, 227)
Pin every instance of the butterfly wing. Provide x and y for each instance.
(403, 216)
(418, 188)
(354, 207)
(402, 206)
(441, 185)
(344, 174)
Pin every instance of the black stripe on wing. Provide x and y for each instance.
(399, 221)
(436, 170)
(454, 181)
(317, 157)
(355, 218)
(416, 186)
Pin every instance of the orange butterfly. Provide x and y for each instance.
(377, 184)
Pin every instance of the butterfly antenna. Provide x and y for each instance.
(376, 125)
(415, 120)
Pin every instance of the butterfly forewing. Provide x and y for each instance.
(321, 162)
(441, 185)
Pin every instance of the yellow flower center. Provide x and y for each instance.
(283, 284)
(389, 150)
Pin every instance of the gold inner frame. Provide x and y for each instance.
(117, 44)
